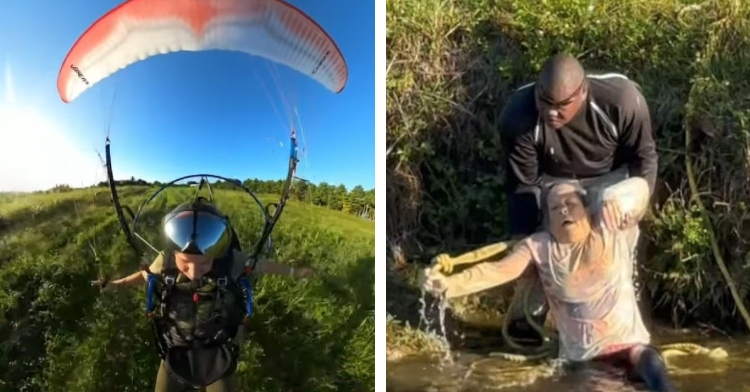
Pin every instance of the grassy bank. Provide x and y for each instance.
(59, 334)
(452, 66)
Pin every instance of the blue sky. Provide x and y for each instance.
(180, 113)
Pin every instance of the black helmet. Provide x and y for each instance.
(197, 227)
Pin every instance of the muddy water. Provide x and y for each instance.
(474, 372)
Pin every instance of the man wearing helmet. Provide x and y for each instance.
(199, 300)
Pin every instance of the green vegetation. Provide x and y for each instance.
(452, 66)
(356, 201)
(403, 340)
(59, 334)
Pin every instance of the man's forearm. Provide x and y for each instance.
(646, 167)
(269, 267)
(131, 280)
(632, 196)
(522, 181)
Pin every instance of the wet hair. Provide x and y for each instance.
(561, 69)
(546, 190)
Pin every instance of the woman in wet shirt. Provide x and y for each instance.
(586, 272)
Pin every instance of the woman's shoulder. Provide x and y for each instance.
(537, 239)
(536, 243)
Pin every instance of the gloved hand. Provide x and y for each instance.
(443, 263)
(434, 282)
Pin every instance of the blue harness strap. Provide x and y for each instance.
(244, 282)
(149, 294)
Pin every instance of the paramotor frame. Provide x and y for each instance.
(270, 219)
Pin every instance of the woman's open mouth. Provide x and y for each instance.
(567, 222)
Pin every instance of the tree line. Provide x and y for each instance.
(356, 201)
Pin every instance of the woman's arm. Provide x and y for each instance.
(489, 274)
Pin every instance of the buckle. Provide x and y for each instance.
(169, 280)
(221, 282)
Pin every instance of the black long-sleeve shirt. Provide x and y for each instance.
(612, 129)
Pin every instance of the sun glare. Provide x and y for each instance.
(37, 155)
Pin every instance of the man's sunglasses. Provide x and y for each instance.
(541, 96)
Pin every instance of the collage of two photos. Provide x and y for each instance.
(187, 195)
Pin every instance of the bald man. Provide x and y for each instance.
(586, 270)
(569, 125)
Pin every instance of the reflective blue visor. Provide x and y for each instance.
(197, 232)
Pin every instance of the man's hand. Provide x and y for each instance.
(434, 282)
(613, 217)
(303, 272)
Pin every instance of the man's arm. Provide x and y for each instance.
(637, 139)
(267, 267)
(522, 177)
(136, 278)
(631, 197)
(272, 268)
(490, 273)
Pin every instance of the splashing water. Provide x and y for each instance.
(443, 305)
(442, 338)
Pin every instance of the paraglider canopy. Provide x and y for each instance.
(139, 29)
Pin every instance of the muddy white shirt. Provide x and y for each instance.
(592, 297)
(588, 286)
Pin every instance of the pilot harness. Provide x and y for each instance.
(213, 322)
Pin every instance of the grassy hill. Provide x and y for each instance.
(59, 334)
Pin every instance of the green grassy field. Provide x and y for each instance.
(57, 333)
